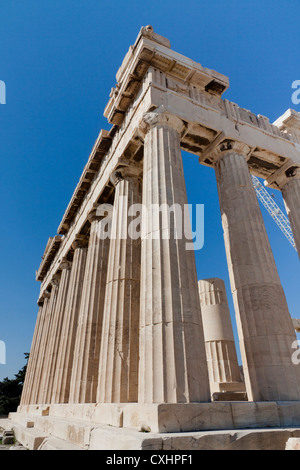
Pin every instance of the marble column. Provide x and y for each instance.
(223, 368)
(265, 327)
(289, 183)
(34, 350)
(56, 327)
(118, 369)
(84, 378)
(61, 387)
(173, 366)
(41, 377)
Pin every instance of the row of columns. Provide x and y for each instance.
(122, 322)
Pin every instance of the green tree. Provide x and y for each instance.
(11, 390)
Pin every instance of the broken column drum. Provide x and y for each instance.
(223, 368)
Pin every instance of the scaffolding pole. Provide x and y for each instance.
(274, 210)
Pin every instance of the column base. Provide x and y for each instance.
(228, 391)
(167, 418)
(197, 426)
(229, 396)
(217, 387)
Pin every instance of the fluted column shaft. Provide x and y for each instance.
(61, 386)
(34, 352)
(118, 369)
(223, 368)
(84, 379)
(265, 327)
(173, 365)
(56, 327)
(39, 391)
(291, 197)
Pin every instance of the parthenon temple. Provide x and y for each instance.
(130, 349)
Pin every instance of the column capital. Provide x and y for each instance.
(160, 117)
(125, 173)
(45, 295)
(288, 172)
(55, 280)
(81, 241)
(99, 212)
(228, 146)
(65, 264)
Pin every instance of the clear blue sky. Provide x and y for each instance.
(59, 60)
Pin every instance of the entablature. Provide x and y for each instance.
(151, 76)
(49, 254)
(150, 53)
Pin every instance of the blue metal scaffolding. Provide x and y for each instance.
(274, 210)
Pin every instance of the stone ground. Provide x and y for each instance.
(4, 424)
(15, 446)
